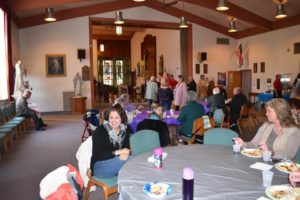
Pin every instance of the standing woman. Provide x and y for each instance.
(151, 91)
(110, 144)
(165, 95)
(180, 93)
(279, 135)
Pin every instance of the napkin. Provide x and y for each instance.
(151, 158)
(261, 166)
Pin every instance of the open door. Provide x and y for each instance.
(240, 79)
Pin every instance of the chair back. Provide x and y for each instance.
(244, 111)
(219, 117)
(143, 141)
(219, 136)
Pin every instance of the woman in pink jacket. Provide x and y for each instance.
(180, 93)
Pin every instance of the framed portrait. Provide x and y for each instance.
(55, 65)
(197, 68)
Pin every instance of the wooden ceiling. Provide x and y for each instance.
(253, 16)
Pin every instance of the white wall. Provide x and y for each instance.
(218, 56)
(167, 44)
(15, 42)
(276, 49)
(63, 37)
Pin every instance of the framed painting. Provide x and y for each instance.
(262, 67)
(55, 65)
(205, 68)
(254, 67)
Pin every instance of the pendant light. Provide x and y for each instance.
(119, 18)
(139, 0)
(280, 11)
(222, 5)
(183, 23)
(232, 27)
(119, 30)
(49, 15)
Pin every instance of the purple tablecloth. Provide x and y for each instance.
(206, 108)
(141, 116)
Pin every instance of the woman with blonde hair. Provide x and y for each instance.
(165, 94)
(279, 134)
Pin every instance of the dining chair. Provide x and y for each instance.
(218, 117)
(143, 141)
(256, 110)
(298, 156)
(108, 185)
(244, 117)
(219, 136)
(200, 125)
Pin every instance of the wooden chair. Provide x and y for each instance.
(198, 130)
(108, 185)
(244, 117)
(257, 108)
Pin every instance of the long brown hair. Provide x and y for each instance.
(283, 112)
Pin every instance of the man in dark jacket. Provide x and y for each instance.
(192, 85)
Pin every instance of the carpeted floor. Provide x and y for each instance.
(38, 153)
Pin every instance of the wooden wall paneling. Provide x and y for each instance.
(148, 54)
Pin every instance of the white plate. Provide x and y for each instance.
(271, 192)
(248, 152)
(285, 167)
(157, 190)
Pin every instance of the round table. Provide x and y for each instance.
(219, 174)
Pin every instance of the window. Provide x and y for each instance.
(3, 57)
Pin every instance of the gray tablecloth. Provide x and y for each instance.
(219, 174)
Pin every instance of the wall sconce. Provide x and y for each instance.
(49, 15)
(101, 47)
(119, 18)
(119, 30)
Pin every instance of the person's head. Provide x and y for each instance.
(165, 75)
(26, 94)
(115, 115)
(157, 110)
(191, 78)
(295, 105)
(202, 76)
(279, 109)
(180, 78)
(216, 90)
(192, 95)
(237, 90)
(163, 82)
(171, 76)
(278, 76)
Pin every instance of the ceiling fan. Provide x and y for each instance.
(164, 4)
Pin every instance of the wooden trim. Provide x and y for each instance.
(287, 22)
(235, 11)
(93, 103)
(156, 5)
(190, 50)
(79, 12)
(250, 32)
(111, 37)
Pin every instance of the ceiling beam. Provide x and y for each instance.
(21, 5)
(235, 11)
(286, 22)
(79, 12)
(111, 37)
(156, 5)
(250, 32)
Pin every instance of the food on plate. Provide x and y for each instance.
(252, 153)
(157, 189)
(288, 167)
(280, 193)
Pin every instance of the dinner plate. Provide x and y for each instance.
(280, 192)
(287, 167)
(253, 153)
(157, 190)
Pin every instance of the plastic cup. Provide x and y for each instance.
(267, 178)
(236, 148)
(267, 156)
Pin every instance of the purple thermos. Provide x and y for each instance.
(188, 183)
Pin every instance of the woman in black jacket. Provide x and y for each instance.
(110, 144)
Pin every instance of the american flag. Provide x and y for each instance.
(239, 53)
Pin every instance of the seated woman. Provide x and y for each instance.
(110, 144)
(279, 135)
(155, 123)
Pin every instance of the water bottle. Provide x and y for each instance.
(188, 183)
(158, 158)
